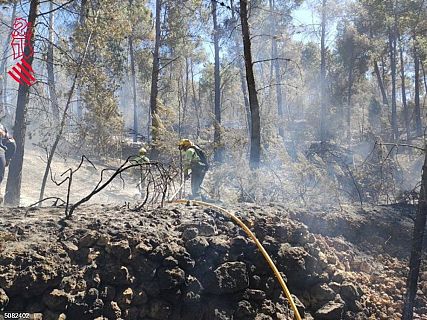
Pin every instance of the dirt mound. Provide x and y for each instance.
(185, 262)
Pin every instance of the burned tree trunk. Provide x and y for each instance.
(417, 247)
(218, 156)
(392, 53)
(255, 152)
(418, 122)
(276, 65)
(403, 85)
(155, 78)
(135, 107)
(380, 83)
(14, 178)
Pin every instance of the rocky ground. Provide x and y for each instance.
(190, 262)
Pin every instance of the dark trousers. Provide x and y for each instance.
(197, 175)
(2, 164)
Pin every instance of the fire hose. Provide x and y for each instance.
(260, 248)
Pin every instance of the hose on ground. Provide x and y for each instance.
(260, 248)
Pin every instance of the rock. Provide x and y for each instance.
(56, 300)
(113, 311)
(91, 295)
(321, 293)
(170, 278)
(159, 310)
(189, 233)
(120, 250)
(131, 314)
(229, 277)
(143, 248)
(4, 299)
(170, 262)
(350, 294)
(206, 229)
(331, 310)
(244, 310)
(88, 240)
(262, 316)
(125, 298)
(268, 307)
(197, 246)
(254, 295)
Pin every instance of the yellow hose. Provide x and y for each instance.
(260, 247)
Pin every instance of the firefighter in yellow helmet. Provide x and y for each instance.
(139, 172)
(195, 165)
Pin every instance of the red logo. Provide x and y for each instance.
(22, 72)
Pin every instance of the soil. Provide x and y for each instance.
(191, 262)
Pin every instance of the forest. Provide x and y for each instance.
(215, 159)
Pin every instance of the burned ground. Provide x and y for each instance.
(191, 262)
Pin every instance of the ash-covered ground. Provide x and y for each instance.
(191, 262)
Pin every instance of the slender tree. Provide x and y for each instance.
(417, 247)
(155, 77)
(255, 151)
(14, 178)
(323, 73)
(218, 156)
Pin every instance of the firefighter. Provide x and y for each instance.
(7, 151)
(139, 173)
(195, 165)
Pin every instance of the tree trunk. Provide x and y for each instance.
(242, 76)
(323, 75)
(135, 106)
(14, 178)
(50, 68)
(404, 102)
(255, 151)
(155, 125)
(380, 83)
(392, 48)
(3, 71)
(349, 94)
(418, 123)
(275, 62)
(417, 247)
(196, 102)
(218, 154)
(82, 20)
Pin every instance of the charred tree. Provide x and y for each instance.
(133, 74)
(241, 75)
(417, 247)
(380, 83)
(403, 85)
(218, 155)
(155, 124)
(14, 178)
(255, 149)
(277, 75)
(418, 122)
(392, 53)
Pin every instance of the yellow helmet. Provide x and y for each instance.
(185, 143)
(142, 151)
